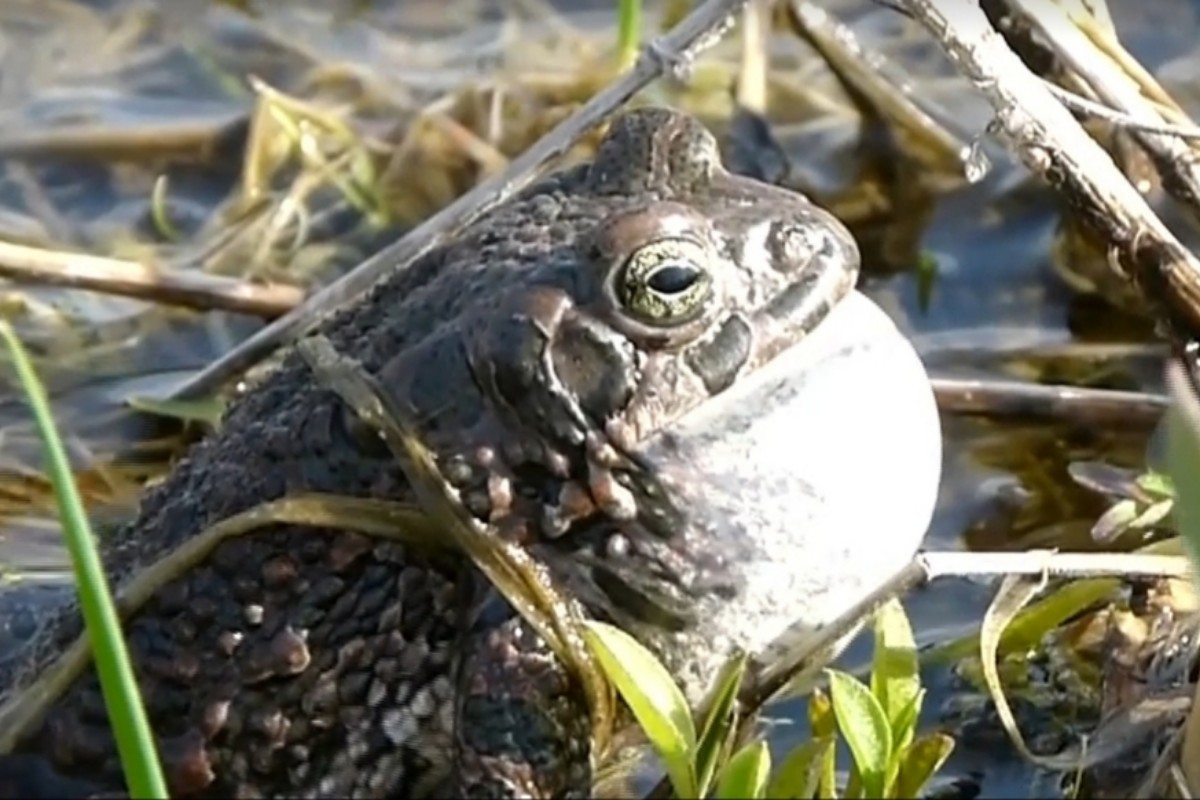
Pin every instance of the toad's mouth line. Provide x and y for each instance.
(793, 315)
(787, 345)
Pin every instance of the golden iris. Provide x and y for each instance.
(666, 282)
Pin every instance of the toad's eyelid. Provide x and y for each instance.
(667, 250)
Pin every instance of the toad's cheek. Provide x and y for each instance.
(817, 476)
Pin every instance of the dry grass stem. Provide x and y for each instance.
(190, 289)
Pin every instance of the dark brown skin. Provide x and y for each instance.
(304, 662)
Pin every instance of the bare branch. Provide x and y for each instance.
(1074, 405)
(1174, 158)
(131, 279)
(1051, 143)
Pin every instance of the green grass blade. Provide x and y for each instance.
(131, 728)
(1034, 621)
(904, 731)
(722, 714)
(652, 695)
(629, 32)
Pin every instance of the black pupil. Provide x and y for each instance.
(673, 278)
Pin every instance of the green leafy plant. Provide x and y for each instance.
(135, 743)
(1140, 503)
(876, 721)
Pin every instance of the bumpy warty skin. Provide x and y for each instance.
(320, 663)
(383, 620)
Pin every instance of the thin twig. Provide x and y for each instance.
(1151, 785)
(1071, 404)
(1173, 157)
(953, 564)
(1052, 144)
(1179, 781)
(755, 60)
(673, 52)
(878, 82)
(1122, 119)
(131, 279)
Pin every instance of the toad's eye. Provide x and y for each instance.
(666, 282)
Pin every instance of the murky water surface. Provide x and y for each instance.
(99, 100)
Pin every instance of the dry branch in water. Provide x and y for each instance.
(1053, 145)
(1074, 405)
(1172, 155)
(117, 276)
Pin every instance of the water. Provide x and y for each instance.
(70, 69)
